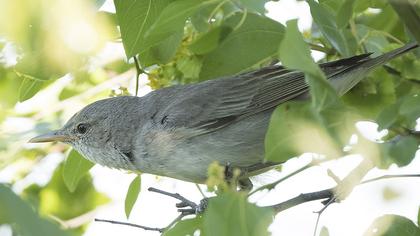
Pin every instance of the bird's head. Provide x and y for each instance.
(95, 131)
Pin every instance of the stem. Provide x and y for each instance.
(390, 177)
(244, 15)
(138, 72)
(273, 184)
(319, 48)
(174, 195)
(217, 8)
(200, 190)
(327, 193)
(160, 230)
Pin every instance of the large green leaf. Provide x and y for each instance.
(233, 54)
(135, 19)
(295, 129)
(230, 214)
(326, 22)
(392, 225)
(56, 199)
(294, 123)
(132, 195)
(345, 13)
(294, 53)
(171, 21)
(75, 167)
(17, 212)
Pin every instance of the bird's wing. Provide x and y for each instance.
(208, 106)
(214, 104)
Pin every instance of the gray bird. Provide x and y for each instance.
(178, 131)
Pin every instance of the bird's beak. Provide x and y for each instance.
(53, 136)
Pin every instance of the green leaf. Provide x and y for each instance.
(409, 13)
(293, 123)
(387, 117)
(185, 227)
(189, 66)
(345, 13)
(233, 54)
(362, 5)
(135, 19)
(29, 88)
(170, 21)
(393, 225)
(325, 20)
(132, 195)
(400, 151)
(230, 214)
(372, 94)
(56, 199)
(410, 109)
(294, 129)
(294, 53)
(255, 5)
(163, 52)
(411, 69)
(75, 167)
(210, 40)
(15, 211)
(374, 41)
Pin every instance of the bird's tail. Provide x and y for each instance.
(348, 78)
(384, 58)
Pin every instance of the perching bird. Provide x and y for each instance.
(178, 131)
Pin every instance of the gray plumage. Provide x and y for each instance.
(178, 131)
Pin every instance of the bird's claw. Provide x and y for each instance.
(192, 209)
(185, 206)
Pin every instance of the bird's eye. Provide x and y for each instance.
(81, 128)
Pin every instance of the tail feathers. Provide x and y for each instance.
(348, 78)
(384, 58)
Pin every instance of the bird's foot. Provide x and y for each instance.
(233, 176)
(185, 206)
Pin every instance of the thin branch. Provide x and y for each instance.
(327, 193)
(303, 198)
(273, 184)
(390, 177)
(200, 190)
(184, 202)
(331, 201)
(160, 230)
